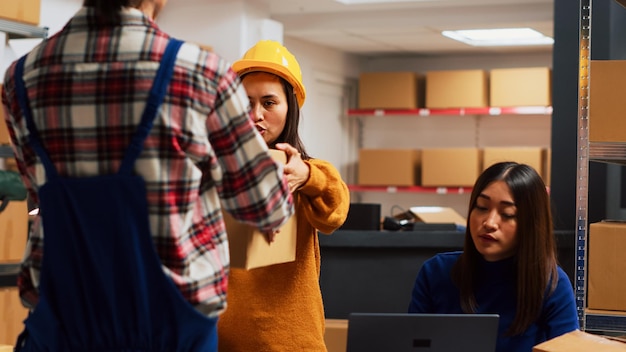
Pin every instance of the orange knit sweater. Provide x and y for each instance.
(279, 307)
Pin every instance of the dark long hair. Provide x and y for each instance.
(536, 263)
(109, 10)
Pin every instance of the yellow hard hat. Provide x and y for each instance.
(271, 56)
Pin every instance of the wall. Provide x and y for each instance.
(330, 77)
(327, 75)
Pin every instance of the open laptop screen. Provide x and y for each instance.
(400, 332)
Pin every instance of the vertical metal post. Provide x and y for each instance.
(582, 180)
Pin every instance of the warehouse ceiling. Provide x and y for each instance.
(408, 27)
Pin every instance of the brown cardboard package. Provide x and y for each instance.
(607, 267)
(450, 167)
(607, 106)
(13, 231)
(438, 215)
(249, 247)
(389, 167)
(579, 341)
(533, 156)
(527, 86)
(4, 132)
(12, 315)
(336, 335)
(25, 11)
(457, 89)
(391, 90)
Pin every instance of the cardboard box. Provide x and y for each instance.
(13, 231)
(531, 86)
(438, 215)
(389, 167)
(457, 89)
(25, 11)
(547, 167)
(12, 315)
(579, 341)
(607, 106)
(532, 156)
(336, 335)
(450, 167)
(391, 90)
(249, 247)
(4, 131)
(607, 267)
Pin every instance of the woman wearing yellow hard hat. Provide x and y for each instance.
(279, 307)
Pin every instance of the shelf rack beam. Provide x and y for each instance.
(16, 30)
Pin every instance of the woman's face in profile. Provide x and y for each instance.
(493, 222)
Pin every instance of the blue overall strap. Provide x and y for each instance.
(159, 88)
(34, 140)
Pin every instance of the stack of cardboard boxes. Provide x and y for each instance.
(453, 89)
(606, 268)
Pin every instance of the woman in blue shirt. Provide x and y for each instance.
(508, 265)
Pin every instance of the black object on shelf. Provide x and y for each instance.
(8, 274)
(362, 216)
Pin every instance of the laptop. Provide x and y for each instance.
(404, 332)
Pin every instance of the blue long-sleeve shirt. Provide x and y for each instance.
(434, 292)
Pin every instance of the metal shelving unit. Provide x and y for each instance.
(582, 181)
(16, 30)
(8, 271)
(598, 152)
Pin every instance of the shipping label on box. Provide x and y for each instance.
(389, 167)
(607, 267)
(249, 247)
(391, 90)
(527, 86)
(450, 167)
(457, 89)
(607, 106)
(13, 231)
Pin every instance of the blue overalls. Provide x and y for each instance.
(102, 284)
